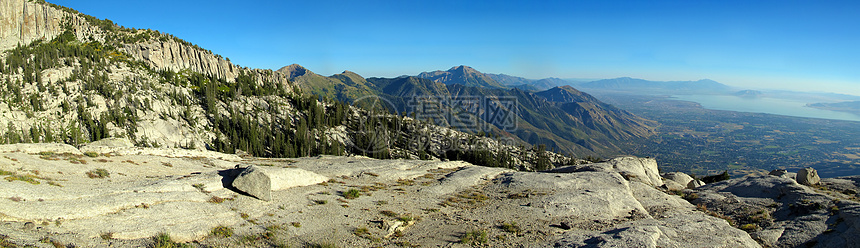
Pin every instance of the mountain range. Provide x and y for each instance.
(563, 118)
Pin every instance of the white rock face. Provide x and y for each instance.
(25, 21)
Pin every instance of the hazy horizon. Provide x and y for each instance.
(803, 46)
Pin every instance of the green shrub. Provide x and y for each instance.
(91, 154)
(351, 194)
(749, 227)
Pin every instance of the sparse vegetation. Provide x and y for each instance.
(320, 245)
(221, 231)
(98, 173)
(91, 154)
(361, 231)
(296, 224)
(510, 227)
(163, 240)
(215, 199)
(406, 218)
(474, 237)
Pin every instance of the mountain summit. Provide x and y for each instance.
(464, 75)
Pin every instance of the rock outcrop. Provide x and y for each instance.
(779, 212)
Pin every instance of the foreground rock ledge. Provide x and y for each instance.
(429, 203)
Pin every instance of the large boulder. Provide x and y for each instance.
(808, 176)
(254, 182)
(638, 169)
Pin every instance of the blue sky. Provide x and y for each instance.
(797, 45)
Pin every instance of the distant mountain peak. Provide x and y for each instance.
(294, 70)
(463, 68)
(464, 75)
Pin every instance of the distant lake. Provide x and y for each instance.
(777, 106)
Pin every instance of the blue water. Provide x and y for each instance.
(777, 106)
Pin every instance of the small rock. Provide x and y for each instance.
(779, 173)
(29, 226)
(695, 184)
(255, 182)
(808, 176)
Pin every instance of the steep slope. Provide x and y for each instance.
(462, 75)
